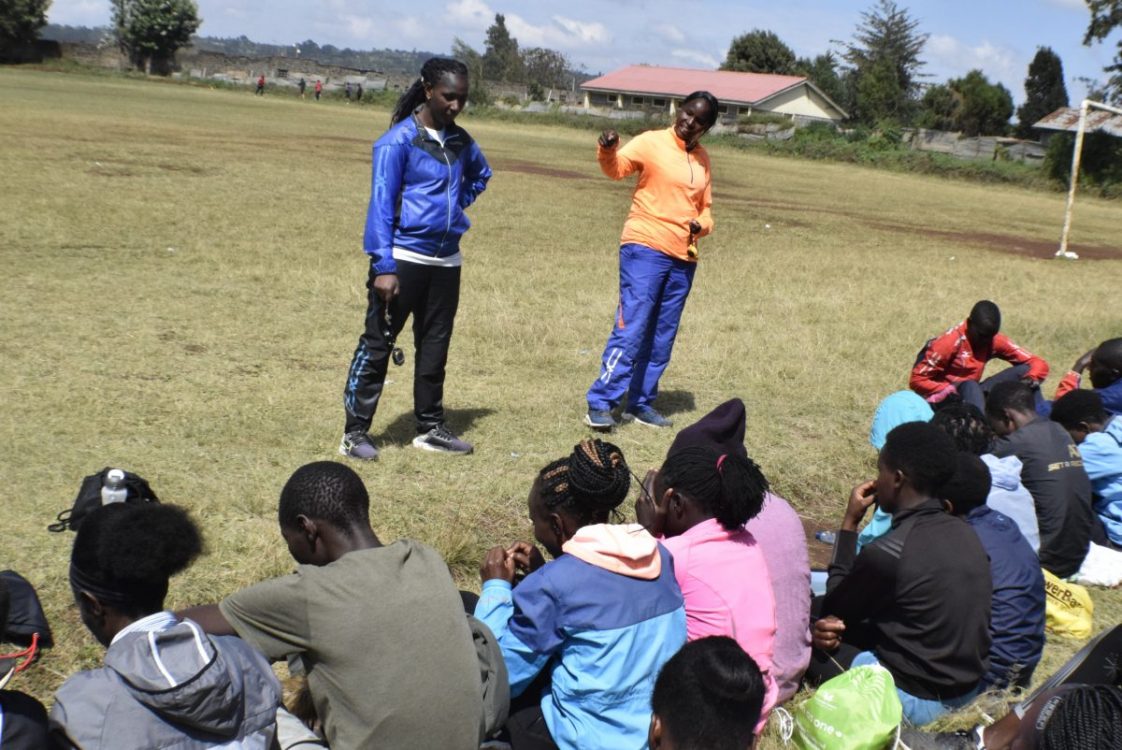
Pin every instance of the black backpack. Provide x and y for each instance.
(89, 498)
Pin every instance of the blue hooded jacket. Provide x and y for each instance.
(419, 191)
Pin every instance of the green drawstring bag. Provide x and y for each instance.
(857, 710)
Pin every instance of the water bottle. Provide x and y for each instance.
(113, 490)
(826, 537)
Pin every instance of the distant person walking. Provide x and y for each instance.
(318, 89)
(260, 86)
(358, 94)
(348, 91)
(657, 257)
(427, 170)
(303, 85)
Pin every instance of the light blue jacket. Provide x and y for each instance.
(1102, 458)
(602, 636)
(1009, 496)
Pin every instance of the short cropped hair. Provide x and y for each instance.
(1009, 395)
(709, 696)
(970, 485)
(924, 453)
(985, 317)
(325, 491)
(1078, 406)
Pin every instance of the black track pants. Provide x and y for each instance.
(430, 294)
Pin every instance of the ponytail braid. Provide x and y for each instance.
(590, 483)
(432, 71)
(728, 487)
(1088, 716)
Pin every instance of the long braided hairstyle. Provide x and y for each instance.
(1088, 717)
(729, 487)
(432, 71)
(589, 483)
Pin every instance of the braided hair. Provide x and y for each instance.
(1089, 716)
(967, 426)
(589, 483)
(729, 487)
(432, 71)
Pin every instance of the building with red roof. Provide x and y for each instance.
(654, 88)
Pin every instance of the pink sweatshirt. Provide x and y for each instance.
(727, 589)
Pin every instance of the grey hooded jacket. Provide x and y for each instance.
(175, 688)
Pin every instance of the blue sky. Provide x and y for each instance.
(998, 37)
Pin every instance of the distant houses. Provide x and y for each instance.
(652, 88)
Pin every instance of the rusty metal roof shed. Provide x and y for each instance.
(1067, 119)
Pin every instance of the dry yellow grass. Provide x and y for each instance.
(183, 289)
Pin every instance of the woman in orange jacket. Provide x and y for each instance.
(658, 257)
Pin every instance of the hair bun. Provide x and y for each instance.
(598, 474)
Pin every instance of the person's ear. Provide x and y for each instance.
(654, 734)
(557, 528)
(676, 503)
(948, 506)
(91, 605)
(309, 529)
(428, 90)
(898, 480)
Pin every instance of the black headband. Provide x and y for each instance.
(117, 593)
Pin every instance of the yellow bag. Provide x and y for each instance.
(1068, 610)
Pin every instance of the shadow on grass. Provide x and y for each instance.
(675, 402)
(403, 428)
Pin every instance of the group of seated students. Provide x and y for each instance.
(680, 632)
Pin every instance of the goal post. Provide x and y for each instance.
(1076, 157)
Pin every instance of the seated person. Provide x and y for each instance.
(583, 636)
(23, 720)
(1017, 609)
(896, 409)
(971, 432)
(165, 683)
(707, 697)
(698, 503)
(778, 531)
(953, 363)
(1099, 437)
(1053, 474)
(916, 600)
(1105, 365)
(380, 630)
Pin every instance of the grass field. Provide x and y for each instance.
(183, 289)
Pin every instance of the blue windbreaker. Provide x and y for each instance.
(1102, 458)
(602, 635)
(419, 191)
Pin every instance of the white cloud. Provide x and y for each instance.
(696, 56)
(670, 33)
(587, 32)
(1079, 5)
(79, 12)
(998, 63)
(472, 14)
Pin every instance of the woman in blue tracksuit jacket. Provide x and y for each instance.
(426, 171)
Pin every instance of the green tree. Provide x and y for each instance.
(1106, 16)
(937, 108)
(984, 108)
(886, 49)
(1044, 90)
(150, 31)
(477, 87)
(501, 61)
(822, 71)
(545, 68)
(759, 51)
(20, 21)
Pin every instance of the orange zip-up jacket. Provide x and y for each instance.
(673, 190)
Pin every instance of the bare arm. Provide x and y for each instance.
(210, 617)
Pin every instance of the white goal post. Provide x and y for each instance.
(1076, 156)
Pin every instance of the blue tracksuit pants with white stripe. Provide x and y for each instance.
(653, 288)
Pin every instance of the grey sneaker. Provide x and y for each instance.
(442, 440)
(600, 420)
(358, 445)
(647, 415)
